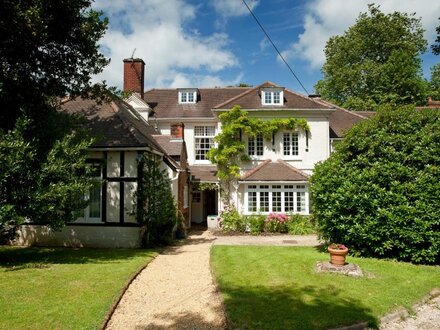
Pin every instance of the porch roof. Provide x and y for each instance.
(275, 171)
(203, 173)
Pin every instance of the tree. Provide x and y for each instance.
(378, 193)
(436, 46)
(376, 61)
(48, 50)
(156, 208)
(434, 83)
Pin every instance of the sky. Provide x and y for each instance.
(208, 43)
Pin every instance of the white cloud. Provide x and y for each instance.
(326, 18)
(183, 80)
(156, 28)
(233, 8)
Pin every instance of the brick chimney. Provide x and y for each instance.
(177, 130)
(134, 75)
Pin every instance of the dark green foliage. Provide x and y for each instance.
(376, 61)
(256, 223)
(231, 220)
(379, 192)
(156, 208)
(41, 190)
(49, 49)
(436, 46)
(301, 225)
(434, 84)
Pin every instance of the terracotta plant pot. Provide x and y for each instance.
(337, 256)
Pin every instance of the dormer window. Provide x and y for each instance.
(272, 96)
(187, 96)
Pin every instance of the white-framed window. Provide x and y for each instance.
(196, 197)
(204, 140)
(286, 198)
(255, 145)
(188, 96)
(272, 96)
(93, 210)
(291, 144)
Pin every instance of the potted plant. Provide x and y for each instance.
(338, 252)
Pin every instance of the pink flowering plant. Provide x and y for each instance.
(336, 246)
(276, 222)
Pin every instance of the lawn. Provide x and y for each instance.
(59, 288)
(277, 288)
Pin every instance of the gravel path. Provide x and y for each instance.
(175, 291)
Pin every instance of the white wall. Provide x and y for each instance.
(80, 236)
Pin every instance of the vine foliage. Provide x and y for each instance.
(231, 148)
(156, 209)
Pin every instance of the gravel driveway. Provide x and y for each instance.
(175, 291)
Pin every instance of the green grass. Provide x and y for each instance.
(277, 288)
(56, 288)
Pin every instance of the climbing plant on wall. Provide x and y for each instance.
(231, 148)
(156, 209)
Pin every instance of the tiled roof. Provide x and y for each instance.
(203, 173)
(275, 171)
(172, 146)
(251, 99)
(164, 102)
(366, 114)
(113, 124)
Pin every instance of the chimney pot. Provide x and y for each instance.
(134, 75)
(177, 131)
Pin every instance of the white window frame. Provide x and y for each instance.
(269, 96)
(86, 218)
(255, 146)
(299, 190)
(187, 96)
(203, 134)
(291, 155)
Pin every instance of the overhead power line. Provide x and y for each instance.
(273, 44)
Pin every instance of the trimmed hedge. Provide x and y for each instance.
(379, 192)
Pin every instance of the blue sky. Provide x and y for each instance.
(196, 43)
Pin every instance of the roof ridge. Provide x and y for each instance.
(256, 169)
(342, 109)
(293, 168)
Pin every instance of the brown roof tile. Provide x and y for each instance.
(172, 146)
(113, 124)
(203, 173)
(275, 171)
(164, 102)
(251, 99)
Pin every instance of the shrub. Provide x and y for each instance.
(276, 223)
(299, 224)
(255, 223)
(379, 192)
(231, 220)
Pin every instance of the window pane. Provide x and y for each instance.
(251, 146)
(264, 201)
(267, 97)
(182, 96)
(286, 144)
(300, 201)
(276, 201)
(276, 97)
(190, 97)
(259, 145)
(95, 201)
(295, 147)
(252, 201)
(288, 201)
